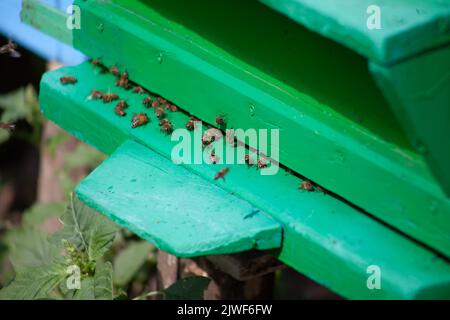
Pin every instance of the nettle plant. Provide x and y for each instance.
(73, 262)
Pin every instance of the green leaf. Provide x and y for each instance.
(41, 212)
(34, 283)
(4, 135)
(98, 287)
(130, 260)
(30, 248)
(191, 288)
(86, 229)
(19, 104)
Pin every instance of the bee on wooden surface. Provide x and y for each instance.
(190, 125)
(109, 97)
(221, 174)
(307, 186)
(207, 139)
(159, 112)
(139, 90)
(120, 108)
(220, 121)
(7, 126)
(213, 158)
(114, 71)
(139, 119)
(95, 95)
(123, 81)
(147, 102)
(166, 126)
(68, 80)
(261, 163)
(11, 49)
(96, 62)
(248, 161)
(172, 107)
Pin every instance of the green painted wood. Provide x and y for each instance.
(178, 211)
(46, 19)
(408, 27)
(423, 105)
(324, 238)
(212, 70)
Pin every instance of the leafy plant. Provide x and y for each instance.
(72, 262)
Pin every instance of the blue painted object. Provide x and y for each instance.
(32, 39)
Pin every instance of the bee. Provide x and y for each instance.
(120, 108)
(220, 121)
(7, 126)
(139, 119)
(159, 112)
(114, 71)
(96, 62)
(147, 102)
(172, 107)
(307, 186)
(109, 97)
(95, 94)
(190, 125)
(221, 174)
(11, 49)
(207, 139)
(262, 163)
(68, 80)
(139, 90)
(213, 158)
(247, 160)
(166, 126)
(123, 81)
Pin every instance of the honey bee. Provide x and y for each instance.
(207, 139)
(96, 62)
(190, 125)
(147, 102)
(120, 108)
(95, 94)
(172, 107)
(109, 97)
(123, 81)
(307, 186)
(159, 112)
(114, 71)
(68, 80)
(139, 90)
(247, 160)
(7, 126)
(221, 174)
(262, 163)
(11, 49)
(213, 158)
(220, 121)
(166, 126)
(139, 119)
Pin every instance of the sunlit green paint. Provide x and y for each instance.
(324, 238)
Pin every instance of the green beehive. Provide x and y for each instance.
(362, 112)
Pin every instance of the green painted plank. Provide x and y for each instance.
(317, 142)
(178, 211)
(324, 238)
(408, 27)
(46, 19)
(423, 105)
